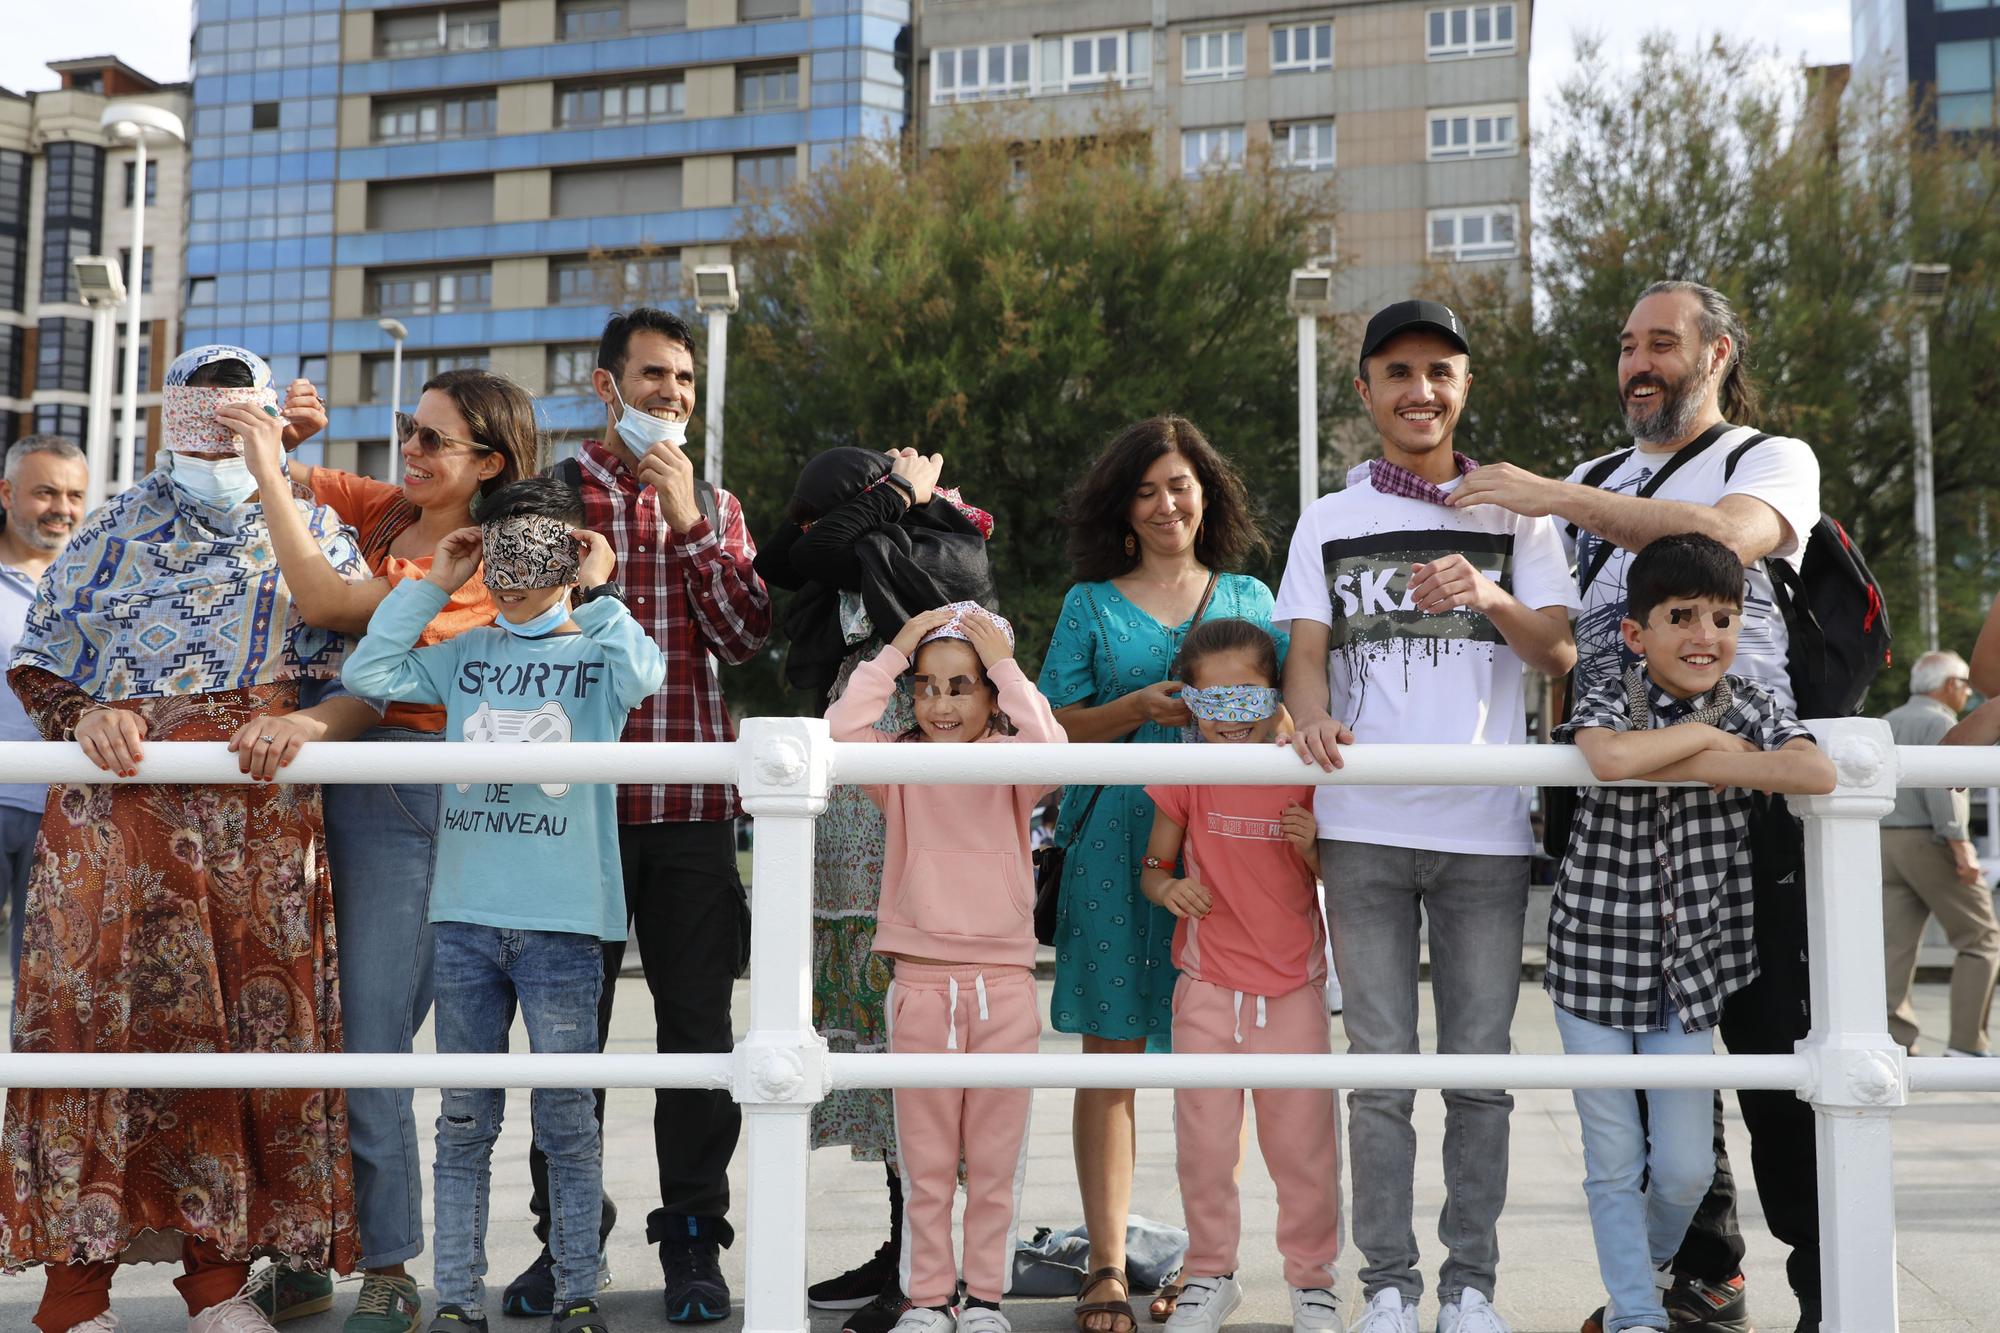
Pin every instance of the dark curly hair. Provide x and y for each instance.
(1098, 512)
(1228, 635)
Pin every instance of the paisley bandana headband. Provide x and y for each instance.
(1231, 703)
(955, 627)
(529, 551)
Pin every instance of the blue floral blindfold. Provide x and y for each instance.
(1231, 703)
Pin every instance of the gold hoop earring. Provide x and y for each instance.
(1131, 544)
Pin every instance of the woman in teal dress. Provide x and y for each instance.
(1152, 529)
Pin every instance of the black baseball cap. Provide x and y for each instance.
(1403, 316)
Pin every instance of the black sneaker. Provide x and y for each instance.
(879, 1315)
(533, 1294)
(454, 1319)
(1698, 1306)
(857, 1287)
(578, 1317)
(695, 1290)
(1809, 1313)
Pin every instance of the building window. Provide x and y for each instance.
(146, 384)
(453, 202)
(1305, 145)
(125, 268)
(430, 31)
(1205, 150)
(753, 11)
(767, 88)
(604, 191)
(615, 280)
(1212, 55)
(1487, 232)
(418, 369)
(760, 175)
(263, 115)
(62, 355)
(582, 20)
(422, 119)
(570, 367)
(10, 362)
(1946, 6)
(1473, 131)
(61, 247)
(1965, 85)
(429, 291)
(970, 73)
(152, 182)
(64, 419)
(313, 370)
(1099, 59)
(1303, 46)
(624, 103)
(73, 172)
(1469, 30)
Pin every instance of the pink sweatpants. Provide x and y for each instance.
(1295, 1129)
(935, 1009)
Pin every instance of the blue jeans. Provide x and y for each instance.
(1636, 1229)
(482, 972)
(381, 847)
(1378, 901)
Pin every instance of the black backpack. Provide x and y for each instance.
(1835, 620)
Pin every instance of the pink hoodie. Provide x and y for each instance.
(957, 881)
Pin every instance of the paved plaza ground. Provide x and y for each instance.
(1948, 1193)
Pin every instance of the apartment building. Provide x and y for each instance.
(495, 175)
(67, 189)
(1420, 110)
(1945, 54)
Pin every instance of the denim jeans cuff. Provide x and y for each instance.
(402, 1254)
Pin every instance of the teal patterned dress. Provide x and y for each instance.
(1114, 970)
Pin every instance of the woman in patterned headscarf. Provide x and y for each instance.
(179, 918)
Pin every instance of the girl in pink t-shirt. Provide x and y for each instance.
(1251, 948)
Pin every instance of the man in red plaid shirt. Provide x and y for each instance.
(684, 561)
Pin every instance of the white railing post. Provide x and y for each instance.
(785, 771)
(1858, 1076)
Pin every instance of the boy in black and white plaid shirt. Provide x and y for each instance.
(1649, 929)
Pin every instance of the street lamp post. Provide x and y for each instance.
(102, 289)
(1926, 284)
(1311, 297)
(397, 333)
(136, 121)
(715, 294)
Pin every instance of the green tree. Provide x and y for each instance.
(1802, 207)
(1013, 304)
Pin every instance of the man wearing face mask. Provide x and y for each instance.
(1684, 388)
(684, 559)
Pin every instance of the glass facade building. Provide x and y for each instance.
(495, 176)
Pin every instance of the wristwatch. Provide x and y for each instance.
(606, 589)
(903, 484)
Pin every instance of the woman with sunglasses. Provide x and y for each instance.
(473, 433)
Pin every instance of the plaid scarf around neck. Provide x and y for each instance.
(1393, 479)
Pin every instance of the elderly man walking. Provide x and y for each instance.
(1929, 869)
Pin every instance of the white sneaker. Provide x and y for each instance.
(1316, 1310)
(238, 1314)
(922, 1319)
(1205, 1302)
(103, 1323)
(1386, 1313)
(1470, 1314)
(979, 1319)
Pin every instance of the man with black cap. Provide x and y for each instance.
(1411, 621)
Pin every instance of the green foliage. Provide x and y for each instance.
(1012, 305)
(1703, 164)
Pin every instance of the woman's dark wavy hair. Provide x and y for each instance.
(1098, 510)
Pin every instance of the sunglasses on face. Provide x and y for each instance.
(958, 687)
(432, 442)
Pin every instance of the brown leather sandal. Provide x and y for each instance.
(1119, 1309)
(1162, 1308)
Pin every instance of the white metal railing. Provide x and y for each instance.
(1848, 1067)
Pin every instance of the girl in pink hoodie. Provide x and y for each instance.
(957, 918)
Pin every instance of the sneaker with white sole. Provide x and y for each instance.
(102, 1323)
(1470, 1313)
(1316, 1310)
(1386, 1313)
(238, 1314)
(979, 1319)
(1205, 1303)
(923, 1319)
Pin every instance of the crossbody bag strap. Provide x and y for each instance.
(1684, 454)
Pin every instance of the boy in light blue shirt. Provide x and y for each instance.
(528, 879)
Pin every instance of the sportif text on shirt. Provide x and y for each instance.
(519, 856)
(1399, 675)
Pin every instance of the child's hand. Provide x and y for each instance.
(988, 640)
(916, 627)
(598, 561)
(1730, 743)
(1185, 898)
(1301, 830)
(457, 558)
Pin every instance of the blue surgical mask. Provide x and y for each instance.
(548, 622)
(222, 483)
(642, 430)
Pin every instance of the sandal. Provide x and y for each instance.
(1118, 1309)
(1162, 1308)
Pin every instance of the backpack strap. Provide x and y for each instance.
(1736, 454)
(569, 472)
(1594, 476)
(1681, 457)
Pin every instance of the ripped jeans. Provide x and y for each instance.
(481, 973)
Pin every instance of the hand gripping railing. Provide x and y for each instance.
(1849, 1067)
